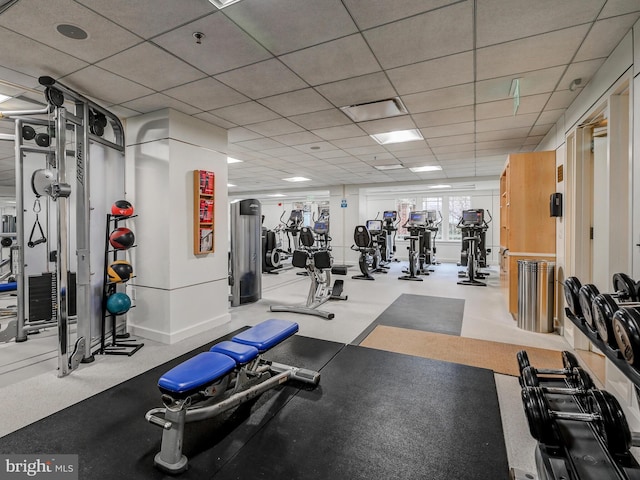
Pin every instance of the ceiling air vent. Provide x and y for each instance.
(362, 112)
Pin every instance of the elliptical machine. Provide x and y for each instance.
(271, 251)
(292, 229)
(387, 240)
(473, 254)
(414, 227)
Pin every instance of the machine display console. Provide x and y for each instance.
(374, 226)
(432, 216)
(418, 218)
(473, 218)
(390, 215)
(321, 227)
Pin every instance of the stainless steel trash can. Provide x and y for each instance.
(535, 295)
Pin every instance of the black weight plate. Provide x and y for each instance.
(604, 306)
(523, 360)
(569, 360)
(101, 119)
(625, 287)
(529, 377)
(28, 132)
(6, 242)
(96, 129)
(43, 140)
(536, 409)
(585, 296)
(612, 425)
(571, 288)
(626, 328)
(54, 96)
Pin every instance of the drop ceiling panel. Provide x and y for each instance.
(269, 128)
(516, 121)
(262, 79)
(105, 85)
(295, 103)
(245, 113)
(542, 51)
(337, 133)
(461, 148)
(561, 99)
(447, 130)
(604, 36)
(583, 70)
(224, 47)
(40, 20)
(287, 25)
(369, 14)
(619, 7)
(354, 142)
(207, 94)
(430, 35)
(549, 116)
(500, 21)
(240, 134)
(212, 119)
(433, 74)
(151, 66)
(502, 134)
(364, 89)
(260, 144)
(452, 140)
(541, 129)
(323, 119)
(158, 101)
(505, 108)
(128, 14)
(531, 83)
(440, 99)
(444, 117)
(298, 138)
(332, 61)
(388, 125)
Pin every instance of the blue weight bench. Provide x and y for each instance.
(229, 374)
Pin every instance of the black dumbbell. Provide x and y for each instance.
(604, 308)
(624, 290)
(586, 294)
(569, 362)
(626, 330)
(604, 412)
(572, 287)
(579, 382)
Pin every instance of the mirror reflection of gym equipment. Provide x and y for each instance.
(473, 254)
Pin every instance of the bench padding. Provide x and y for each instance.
(267, 334)
(8, 287)
(204, 368)
(240, 353)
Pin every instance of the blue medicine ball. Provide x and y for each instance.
(118, 303)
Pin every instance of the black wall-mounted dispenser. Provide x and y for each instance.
(556, 205)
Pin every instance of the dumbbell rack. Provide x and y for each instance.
(582, 454)
(612, 354)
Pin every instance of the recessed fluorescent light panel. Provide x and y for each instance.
(399, 136)
(4, 98)
(223, 3)
(233, 160)
(277, 195)
(296, 179)
(388, 167)
(390, 107)
(438, 186)
(426, 168)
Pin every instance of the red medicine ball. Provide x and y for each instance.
(122, 208)
(121, 238)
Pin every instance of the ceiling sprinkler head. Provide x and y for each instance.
(198, 36)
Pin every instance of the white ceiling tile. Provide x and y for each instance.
(148, 65)
(224, 46)
(531, 83)
(561, 99)
(315, 147)
(260, 144)
(430, 35)
(364, 141)
(619, 7)
(542, 51)
(279, 126)
(158, 101)
(245, 113)
(582, 70)
(448, 130)
(604, 36)
(212, 119)
(29, 57)
(513, 142)
(549, 116)
(240, 134)
(433, 74)
(295, 103)
(452, 140)
(515, 121)
(541, 129)
(354, 91)
(423, 152)
(337, 133)
(207, 94)
(445, 117)
(329, 154)
(39, 20)
(332, 61)
(441, 99)
(503, 134)
(298, 138)
(500, 21)
(286, 25)
(281, 152)
(369, 14)
(323, 119)
(461, 148)
(357, 151)
(505, 108)
(105, 86)
(262, 79)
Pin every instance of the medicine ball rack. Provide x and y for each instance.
(120, 344)
(572, 432)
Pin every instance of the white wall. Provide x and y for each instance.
(177, 294)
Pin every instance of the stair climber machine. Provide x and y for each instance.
(366, 240)
(416, 226)
(317, 263)
(474, 253)
(388, 239)
(292, 229)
